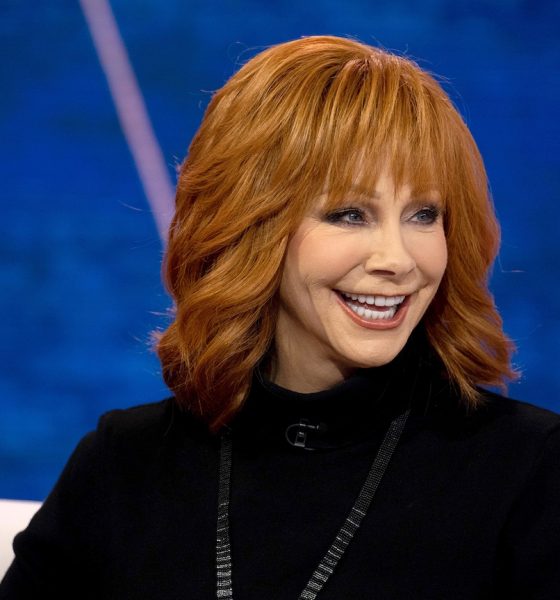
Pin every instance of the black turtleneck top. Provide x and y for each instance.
(467, 509)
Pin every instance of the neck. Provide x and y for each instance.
(303, 378)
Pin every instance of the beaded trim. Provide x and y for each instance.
(342, 539)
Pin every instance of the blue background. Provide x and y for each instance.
(80, 288)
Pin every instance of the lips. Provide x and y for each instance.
(374, 312)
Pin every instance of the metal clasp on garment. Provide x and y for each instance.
(299, 432)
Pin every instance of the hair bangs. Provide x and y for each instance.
(380, 114)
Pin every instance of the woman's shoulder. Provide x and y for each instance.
(137, 420)
(498, 419)
(147, 425)
(505, 432)
(502, 412)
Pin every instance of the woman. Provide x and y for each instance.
(327, 436)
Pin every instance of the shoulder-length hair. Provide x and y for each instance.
(299, 118)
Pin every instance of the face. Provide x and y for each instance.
(356, 282)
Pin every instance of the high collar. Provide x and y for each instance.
(348, 413)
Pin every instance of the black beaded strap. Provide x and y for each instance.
(223, 546)
(344, 536)
(358, 511)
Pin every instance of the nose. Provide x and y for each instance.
(388, 254)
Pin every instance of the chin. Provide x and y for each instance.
(374, 358)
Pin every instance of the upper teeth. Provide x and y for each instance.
(376, 300)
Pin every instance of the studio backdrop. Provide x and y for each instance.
(98, 104)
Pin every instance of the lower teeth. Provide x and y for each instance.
(373, 315)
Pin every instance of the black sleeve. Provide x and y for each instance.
(530, 563)
(53, 555)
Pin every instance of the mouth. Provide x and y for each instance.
(383, 310)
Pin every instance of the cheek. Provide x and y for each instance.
(440, 256)
(321, 262)
(303, 268)
(431, 256)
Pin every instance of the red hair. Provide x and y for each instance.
(297, 117)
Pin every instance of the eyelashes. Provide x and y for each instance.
(426, 215)
(346, 215)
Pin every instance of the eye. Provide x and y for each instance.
(427, 215)
(347, 216)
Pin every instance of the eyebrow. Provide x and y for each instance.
(419, 196)
(416, 196)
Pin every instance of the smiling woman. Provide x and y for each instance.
(371, 265)
(321, 118)
(328, 434)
